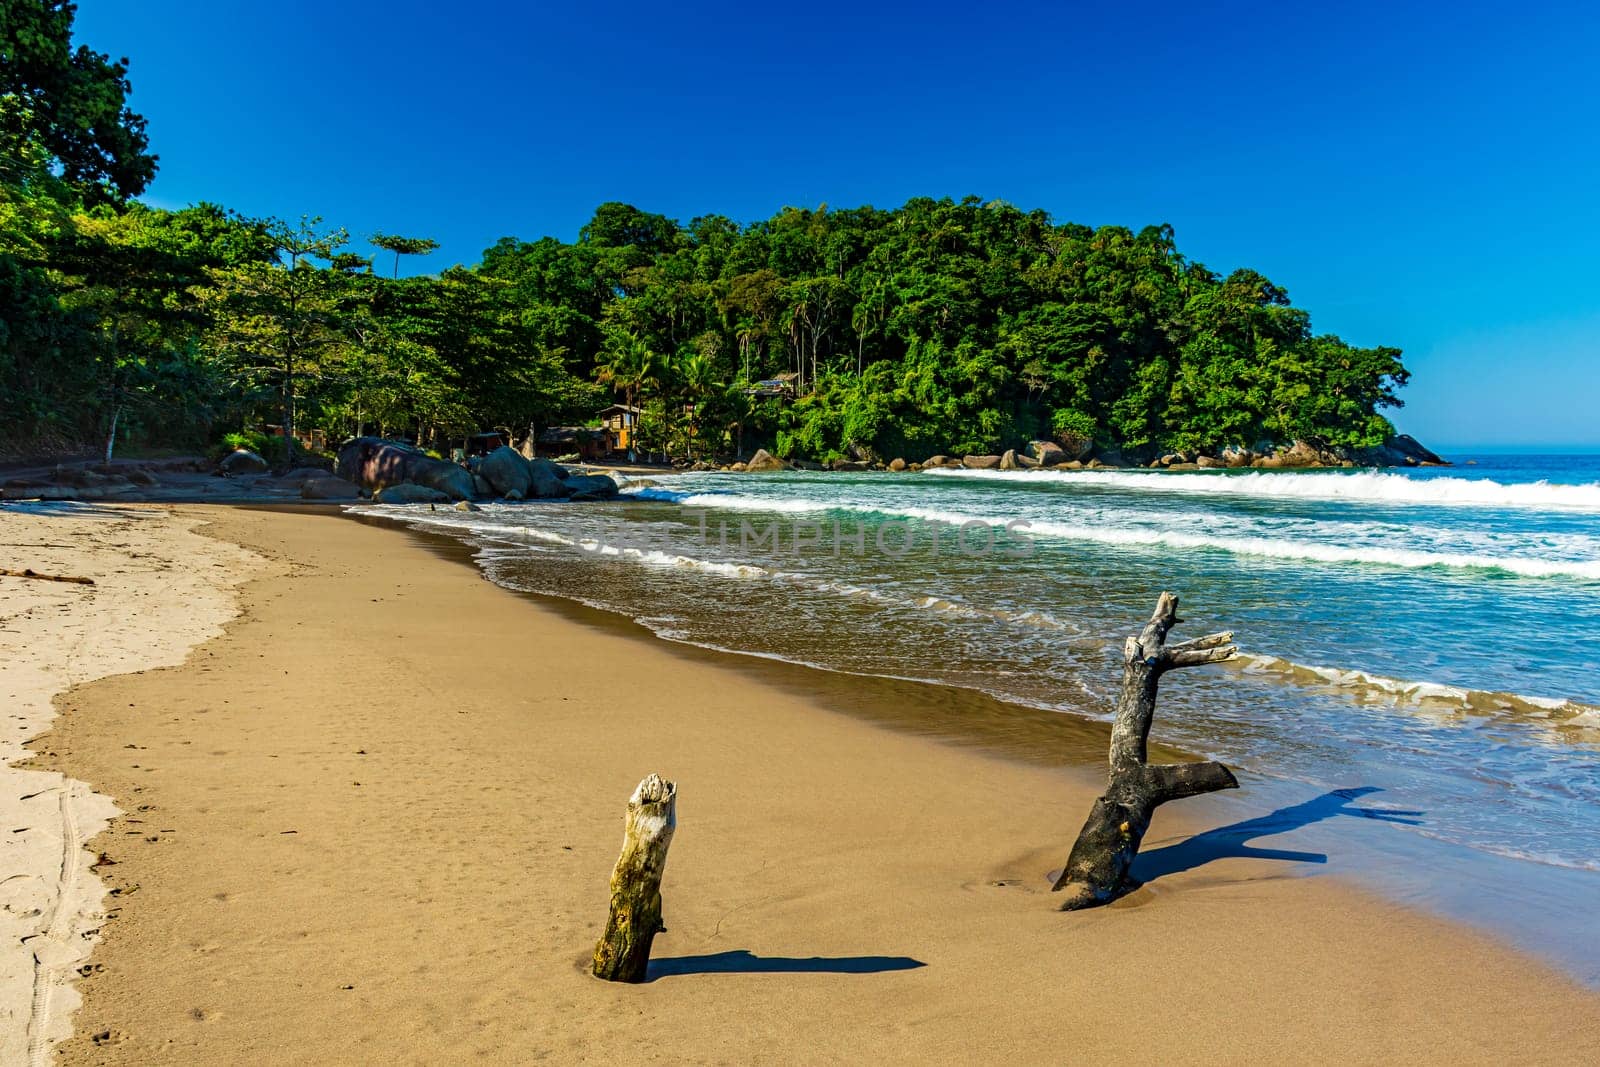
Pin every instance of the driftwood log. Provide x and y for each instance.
(1097, 871)
(623, 954)
(5, 573)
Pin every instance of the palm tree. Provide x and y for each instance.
(698, 376)
(632, 365)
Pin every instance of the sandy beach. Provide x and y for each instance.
(373, 816)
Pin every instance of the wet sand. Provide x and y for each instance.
(375, 818)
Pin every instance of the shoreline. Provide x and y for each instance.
(1500, 896)
(397, 916)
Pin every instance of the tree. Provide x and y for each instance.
(629, 366)
(403, 246)
(70, 103)
(273, 319)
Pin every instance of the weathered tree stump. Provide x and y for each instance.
(623, 954)
(1097, 871)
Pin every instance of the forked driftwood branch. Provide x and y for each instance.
(6, 573)
(623, 954)
(1097, 871)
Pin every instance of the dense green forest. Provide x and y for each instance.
(938, 326)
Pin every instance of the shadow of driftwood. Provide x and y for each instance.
(1231, 842)
(743, 962)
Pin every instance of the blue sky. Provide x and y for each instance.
(1419, 175)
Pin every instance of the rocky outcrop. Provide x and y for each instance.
(407, 493)
(980, 463)
(506, 471)
(763, 462)
(452, 480)
(241, 461)
(1008, 460)
(373, 462)
(581, 487)
(546, 480)
(1401, 450)
(897, 465)
(1048, 453)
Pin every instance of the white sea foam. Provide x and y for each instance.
(1364, 486)
(1553, 713)
(1153, 537)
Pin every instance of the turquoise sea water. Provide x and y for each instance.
(1430, 634)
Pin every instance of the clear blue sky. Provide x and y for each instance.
(1423, 175)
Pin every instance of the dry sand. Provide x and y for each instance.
(160, 590)
(374, 821)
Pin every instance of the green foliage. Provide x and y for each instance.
(938, 326)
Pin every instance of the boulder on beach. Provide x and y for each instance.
(897, 465)
(1008, 460)
(850, 465)
(1048, 453)
(467, 505)
(763, 462)
(328, 487)
(582, 487)
(1234, 456)
(242, 461)
(407, 493)
(1028, 462)
(934, 461)
(506, 471)
(545, 480)
(980, 463)
(449, 478)
(374, 462)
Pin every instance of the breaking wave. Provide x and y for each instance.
(1365, 486)
(1148, 537)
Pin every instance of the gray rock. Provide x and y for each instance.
(328, 487)
(546, 480)
(242, 461)
(1048, 453)
(584, 487)
(506, 472)
(763, 462)
(407, 493)
(449, 478)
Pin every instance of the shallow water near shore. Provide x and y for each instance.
(1419, 648)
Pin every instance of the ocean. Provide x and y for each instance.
(1429, 638)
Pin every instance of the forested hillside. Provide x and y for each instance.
(938, 326)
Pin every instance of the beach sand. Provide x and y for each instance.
(159, 590)
(375, 818)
